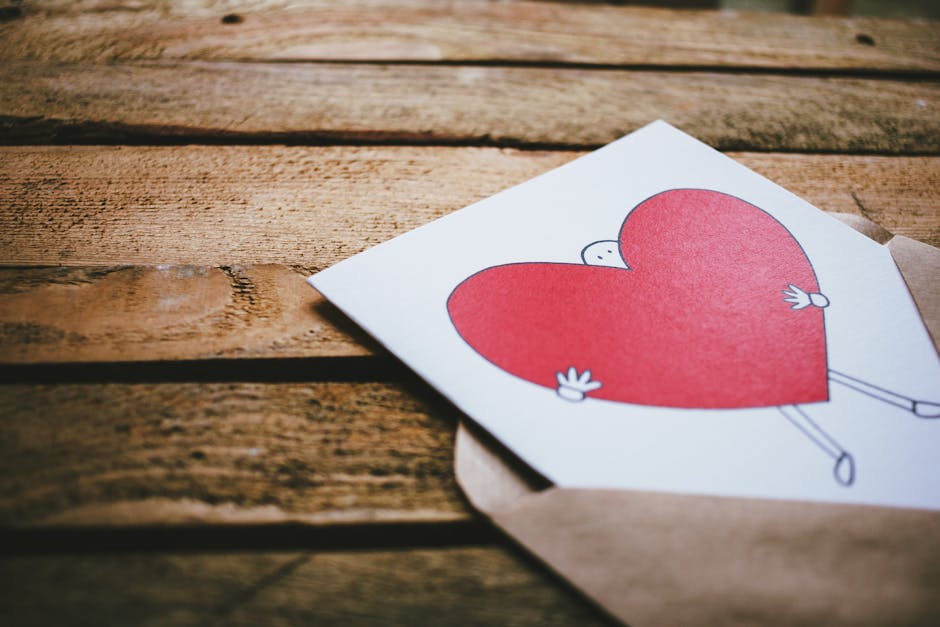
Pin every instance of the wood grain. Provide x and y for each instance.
(197, 253)
(310, 207)
(197, 101)
(479, 586)
(307, 207)
(468, 31)
(139, 454)
(127, 313)
(154, 313)
(456, 586)
(132, 589)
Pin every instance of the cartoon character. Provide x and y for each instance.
(705, 301)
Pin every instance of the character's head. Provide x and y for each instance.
(606, 252)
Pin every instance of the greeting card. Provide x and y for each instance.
(654, 316)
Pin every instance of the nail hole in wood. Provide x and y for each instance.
(865, 40)
(232, 18)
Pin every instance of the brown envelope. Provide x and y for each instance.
(652, 558)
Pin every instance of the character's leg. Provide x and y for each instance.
(844, 468)
(923, 409)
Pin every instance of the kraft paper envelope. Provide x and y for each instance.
(654, 558)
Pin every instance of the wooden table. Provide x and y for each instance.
(189, 434)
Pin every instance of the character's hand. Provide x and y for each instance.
(801, 299)
(573, 387)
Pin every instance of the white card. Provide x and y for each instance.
(655, 316)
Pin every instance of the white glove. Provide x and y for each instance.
(801, 299)
(573, 387)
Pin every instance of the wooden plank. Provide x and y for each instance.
(468, 31)
(305, 206)
(153, 313)
(891, 192)
(129, 313)
(196, 101)
(131, 589)
(457, 586)
(309, 207)
(142, 454)
(472, 586)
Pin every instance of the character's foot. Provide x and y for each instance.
(924, 409)
(574, 387)
(844, 470)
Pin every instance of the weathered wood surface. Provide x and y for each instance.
(200, 101)
(153, 313)
(508, 32)
(290, 211)
(457, 586)
(194, 255)
(310, 207)
(209, 453)
(237, 204)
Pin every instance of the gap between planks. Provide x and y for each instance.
(168, 536)
(167, 101)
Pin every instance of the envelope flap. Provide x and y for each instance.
(920, 266)
(672, 559)
(864, 226)
(485, 473)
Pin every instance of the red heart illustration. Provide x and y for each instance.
(698, 321)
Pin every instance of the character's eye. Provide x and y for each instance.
(599, 257)
(609, 252)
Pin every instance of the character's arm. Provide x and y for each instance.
(922, 409)
(801, 299)
(573, 387)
